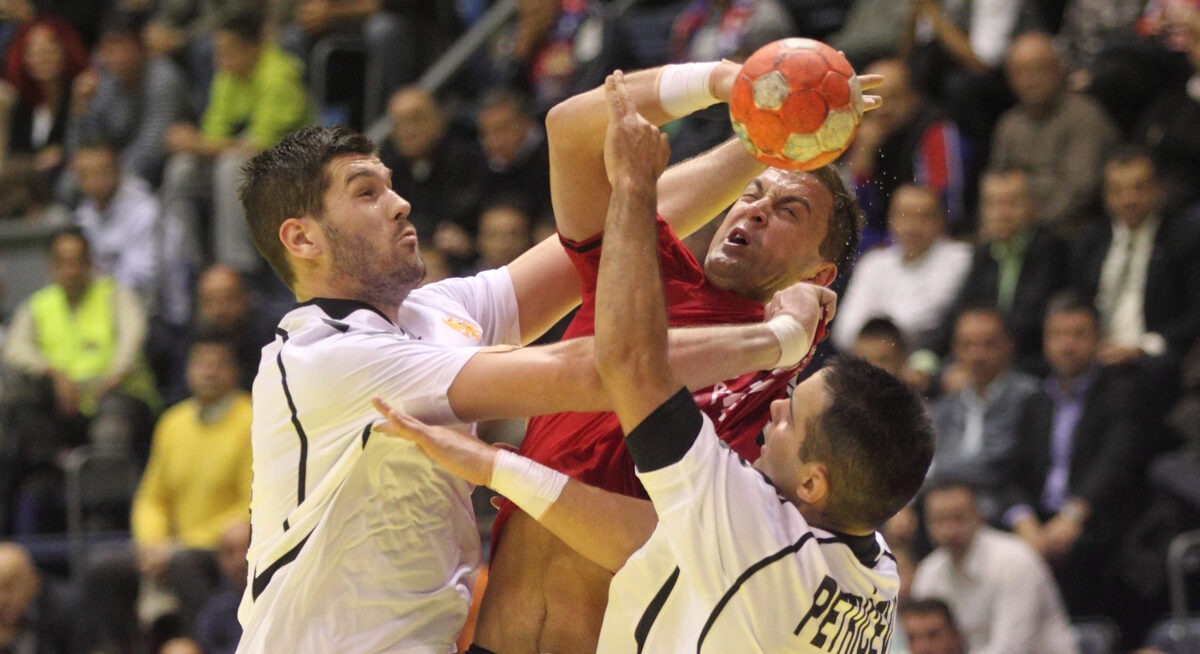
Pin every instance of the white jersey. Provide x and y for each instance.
(732, 566)
(360, 542)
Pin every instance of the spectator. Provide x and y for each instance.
(956, 49)
(401, 37)
(912, 282)
(554, 46)
(514, 144)
(435, 167)
(78, 342)
(129, 100)
(1086, 476)
(881, 344)
(1016, 267)
(907, 139)
(710, 30)
(35, 617)
(504, 233)
(217, 628)
(257, 96)
(1141, 270)
(42, 61)
(872, 31)
(986, 422)
(931, 629)
(197, 482)
(1170, 126)
(1000, 590)
(130, 238)
(224, 306)
(1059, 138)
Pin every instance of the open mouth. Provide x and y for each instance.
(737, 237)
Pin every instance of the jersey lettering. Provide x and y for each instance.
(843, 623)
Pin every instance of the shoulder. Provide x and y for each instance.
(1007, 552)
(162, 74)
(176, 414)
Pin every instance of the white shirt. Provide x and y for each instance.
(1121, 295)
(1004, 597)
(733, 567)
(360, 542)
(137, 245)
(913, 294)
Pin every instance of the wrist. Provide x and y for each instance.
(794, 341)
(684, 89)
(530, 485)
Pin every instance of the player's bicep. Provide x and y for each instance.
(521, 382)
(546, 287)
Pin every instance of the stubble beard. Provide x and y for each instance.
(380, 281)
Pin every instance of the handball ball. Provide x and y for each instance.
(796, 104)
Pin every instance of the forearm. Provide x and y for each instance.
(130, 321)
(631, 316)
(20, 345)
(575, 129)
(693, 192)
(603, 527)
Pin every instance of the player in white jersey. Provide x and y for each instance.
(779, 556)
(361, 544)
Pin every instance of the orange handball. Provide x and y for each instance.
(796, 104)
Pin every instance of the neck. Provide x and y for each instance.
(909, 256)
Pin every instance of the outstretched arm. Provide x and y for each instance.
(602, 526)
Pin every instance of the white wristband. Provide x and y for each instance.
(683, 88)
(794, 341)
(531, 485)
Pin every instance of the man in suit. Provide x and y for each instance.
(1017, 265)
(1085, 471)
(1141, 271)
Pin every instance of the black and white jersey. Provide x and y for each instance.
(732, 566)
(360, 542)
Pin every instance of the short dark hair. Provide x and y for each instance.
(506, 96)
(76, 233)
(123, 25)
(218, 337)
(1006, 170)
(845, 220)
(930, 606)
(244, 22)
(985, 309)
(1127, 153)
(289, 180)
(875, 440)
(883, 329)
(1069, 301)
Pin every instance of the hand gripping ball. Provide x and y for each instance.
(796, 104)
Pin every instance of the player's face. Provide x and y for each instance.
(930, 633)
(785, 434)
(771, 237)
(951, 518)
(371, 247)
(1072, 341)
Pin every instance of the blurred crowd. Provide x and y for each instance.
(1031, 264)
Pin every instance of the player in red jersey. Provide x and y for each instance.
(783, 228)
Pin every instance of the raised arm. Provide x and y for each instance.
(631, 311)
(579, 186)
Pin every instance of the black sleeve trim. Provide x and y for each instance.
(587, 244)
(666, 434)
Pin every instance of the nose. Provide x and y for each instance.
(403, 207)
(778, 409)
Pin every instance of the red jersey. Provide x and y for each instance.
(590, 447)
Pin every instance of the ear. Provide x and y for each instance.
(813, 487)
(824, 275)
(302, 237)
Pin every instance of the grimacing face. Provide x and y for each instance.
(771, 237)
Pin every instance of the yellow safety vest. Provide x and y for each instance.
(80, 342)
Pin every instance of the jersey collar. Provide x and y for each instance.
(339, 308)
